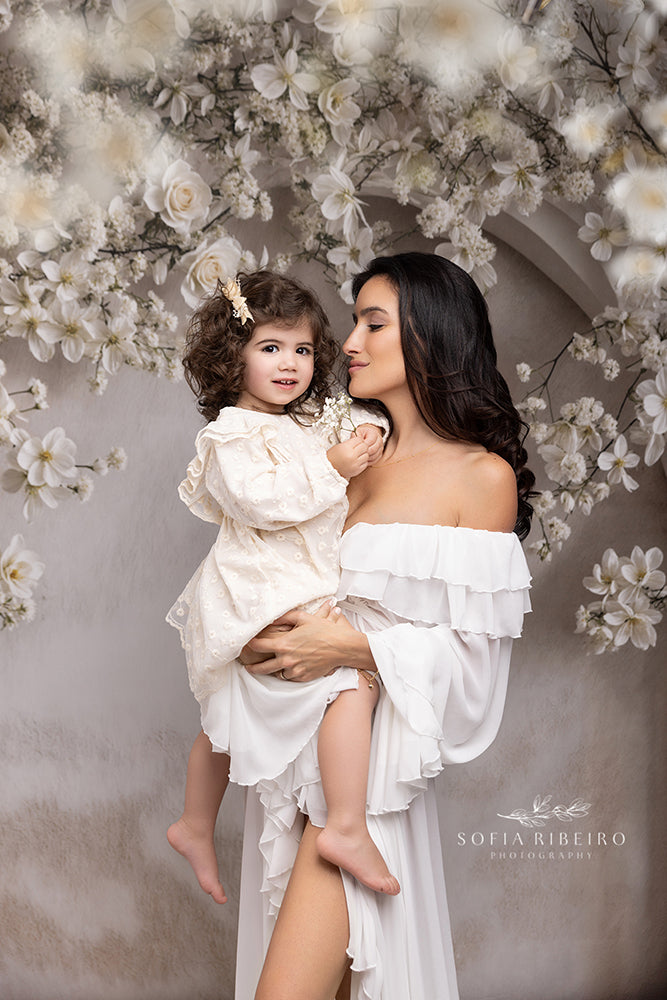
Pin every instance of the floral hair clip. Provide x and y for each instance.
(232, 291)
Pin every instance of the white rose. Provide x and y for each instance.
(182, 197)
(207, 265)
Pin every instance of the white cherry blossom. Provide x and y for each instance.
(633, 63)
(641, 572)
(336, 191)
(634, 622)
(19, 294)
(607, 578)
(357, 252)
(118, 343)
(653, 395)
(67, 277)
(272, 80)
(564, 465)
(48, 461)
(242, 156)
(604, 232)
(8, 415)
(20, 569)
(78, 327)
(33, 323)
(339, 109)
(355, 24)
(517, 59)
(176, 98)
(520, 176)
(616, 464)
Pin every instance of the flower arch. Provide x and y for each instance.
(139, 136)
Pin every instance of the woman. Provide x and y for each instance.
(433, 589)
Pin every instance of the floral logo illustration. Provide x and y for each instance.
(543, 810)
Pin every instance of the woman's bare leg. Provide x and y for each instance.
(344, 747)
(306, 958)
(192, 834)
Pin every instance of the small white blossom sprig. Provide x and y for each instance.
(632, 597)
(336, 415)
(543, 810)
(20, 569)
(232, 291)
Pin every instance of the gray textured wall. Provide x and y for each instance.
(96, 720)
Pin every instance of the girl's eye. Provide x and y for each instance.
(270, 348)
(304, 350)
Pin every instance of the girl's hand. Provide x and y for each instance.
(372, 435)
(314, 646)
(349, 458)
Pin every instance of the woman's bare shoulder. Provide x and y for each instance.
(488, 497)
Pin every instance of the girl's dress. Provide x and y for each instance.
(440, 607)
(281, 505)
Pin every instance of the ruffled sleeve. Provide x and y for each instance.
(245, 469)
(440, 607)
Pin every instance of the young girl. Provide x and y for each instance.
(259, 357)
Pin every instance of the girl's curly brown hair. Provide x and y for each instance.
(215, 338)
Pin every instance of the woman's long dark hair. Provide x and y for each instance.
(450, 361)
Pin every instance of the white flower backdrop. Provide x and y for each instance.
(138, 135)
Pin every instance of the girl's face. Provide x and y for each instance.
(374, 347)
(278, 367)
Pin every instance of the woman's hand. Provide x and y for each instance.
(314, 646)
(249, 658)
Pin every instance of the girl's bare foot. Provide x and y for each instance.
(199, 850)
(356, 852)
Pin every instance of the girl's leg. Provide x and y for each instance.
(192, 834)
(306, 958)
(344, 747)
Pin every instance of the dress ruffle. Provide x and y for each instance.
(475, 581)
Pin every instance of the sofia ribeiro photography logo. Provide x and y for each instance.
(542, 836)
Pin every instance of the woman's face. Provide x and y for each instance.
(374, 347)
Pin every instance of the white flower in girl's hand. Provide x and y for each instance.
(336, 412)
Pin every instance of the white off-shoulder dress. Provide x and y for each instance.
(440, 607)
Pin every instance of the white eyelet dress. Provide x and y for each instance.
(440, 606)
(267, 482)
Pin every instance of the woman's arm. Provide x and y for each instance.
(313, 647)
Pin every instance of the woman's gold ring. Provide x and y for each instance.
(282, 674)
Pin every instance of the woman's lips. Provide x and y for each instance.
(357, 366)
